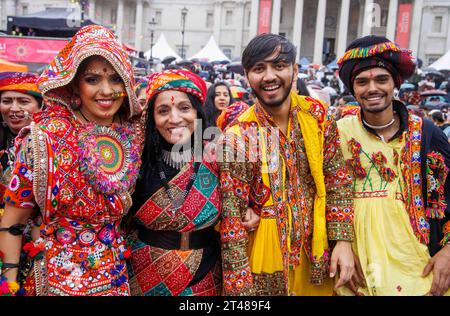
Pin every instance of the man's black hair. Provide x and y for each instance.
(348, 98)
(264, 45)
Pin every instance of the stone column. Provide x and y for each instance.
(217, 20)
(367, 24)
(448, 33)
(138, 27)
(320, 31)
(392, 18)
(298, 23)
(254, 19)
(92, 9)
(343, 28)
(276, 11)
(119, 19)
(416, 26)
(239, 27)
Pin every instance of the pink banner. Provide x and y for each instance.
(403, 24)
(265, 16)
(29, 49)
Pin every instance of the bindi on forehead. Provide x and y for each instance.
(172, 99)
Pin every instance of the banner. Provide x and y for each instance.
(265, 16)
(404, 24)
(30, 49)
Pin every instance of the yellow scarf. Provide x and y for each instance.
(313, 135)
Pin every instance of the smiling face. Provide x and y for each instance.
(16, 109)
(271, 80)
(374, 89)
(222, 98)
(98, 85)
(174, 116)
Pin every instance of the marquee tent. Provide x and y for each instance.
(161, 50)
(210, 52)
(442, 63)
(52, 22)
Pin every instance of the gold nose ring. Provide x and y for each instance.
(118, 94)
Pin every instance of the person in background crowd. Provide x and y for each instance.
(16, 31)
(346, 105)
(76, 167)
(218, 99)
(141, 89)
(301, 88)
(399, 164)
(440, 121)
(31, 32)
(231, 114)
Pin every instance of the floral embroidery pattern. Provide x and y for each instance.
(436, 176)
(378, 161)
(387, 174)
(354, 164)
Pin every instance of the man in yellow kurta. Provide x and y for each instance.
(399, 165)
(282, 158)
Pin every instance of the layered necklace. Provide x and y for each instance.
(176, 160)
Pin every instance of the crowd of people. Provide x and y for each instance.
(176, 185)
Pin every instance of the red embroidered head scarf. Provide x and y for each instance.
(176, 79)
(92, 40)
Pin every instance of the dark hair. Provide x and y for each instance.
(153, 140)
(264, 45)
(301, 87)
(438, 116)
(211, 112)
(348, 98)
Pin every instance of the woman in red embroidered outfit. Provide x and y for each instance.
(176, 203)
(76, 166)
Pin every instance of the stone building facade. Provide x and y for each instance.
(321, 29)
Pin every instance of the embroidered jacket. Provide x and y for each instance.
(427, 156)
(271, 172)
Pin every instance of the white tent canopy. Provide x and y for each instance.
(161, 50)
(211, 52)
(442, 63)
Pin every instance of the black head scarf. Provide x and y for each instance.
(375, 51)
